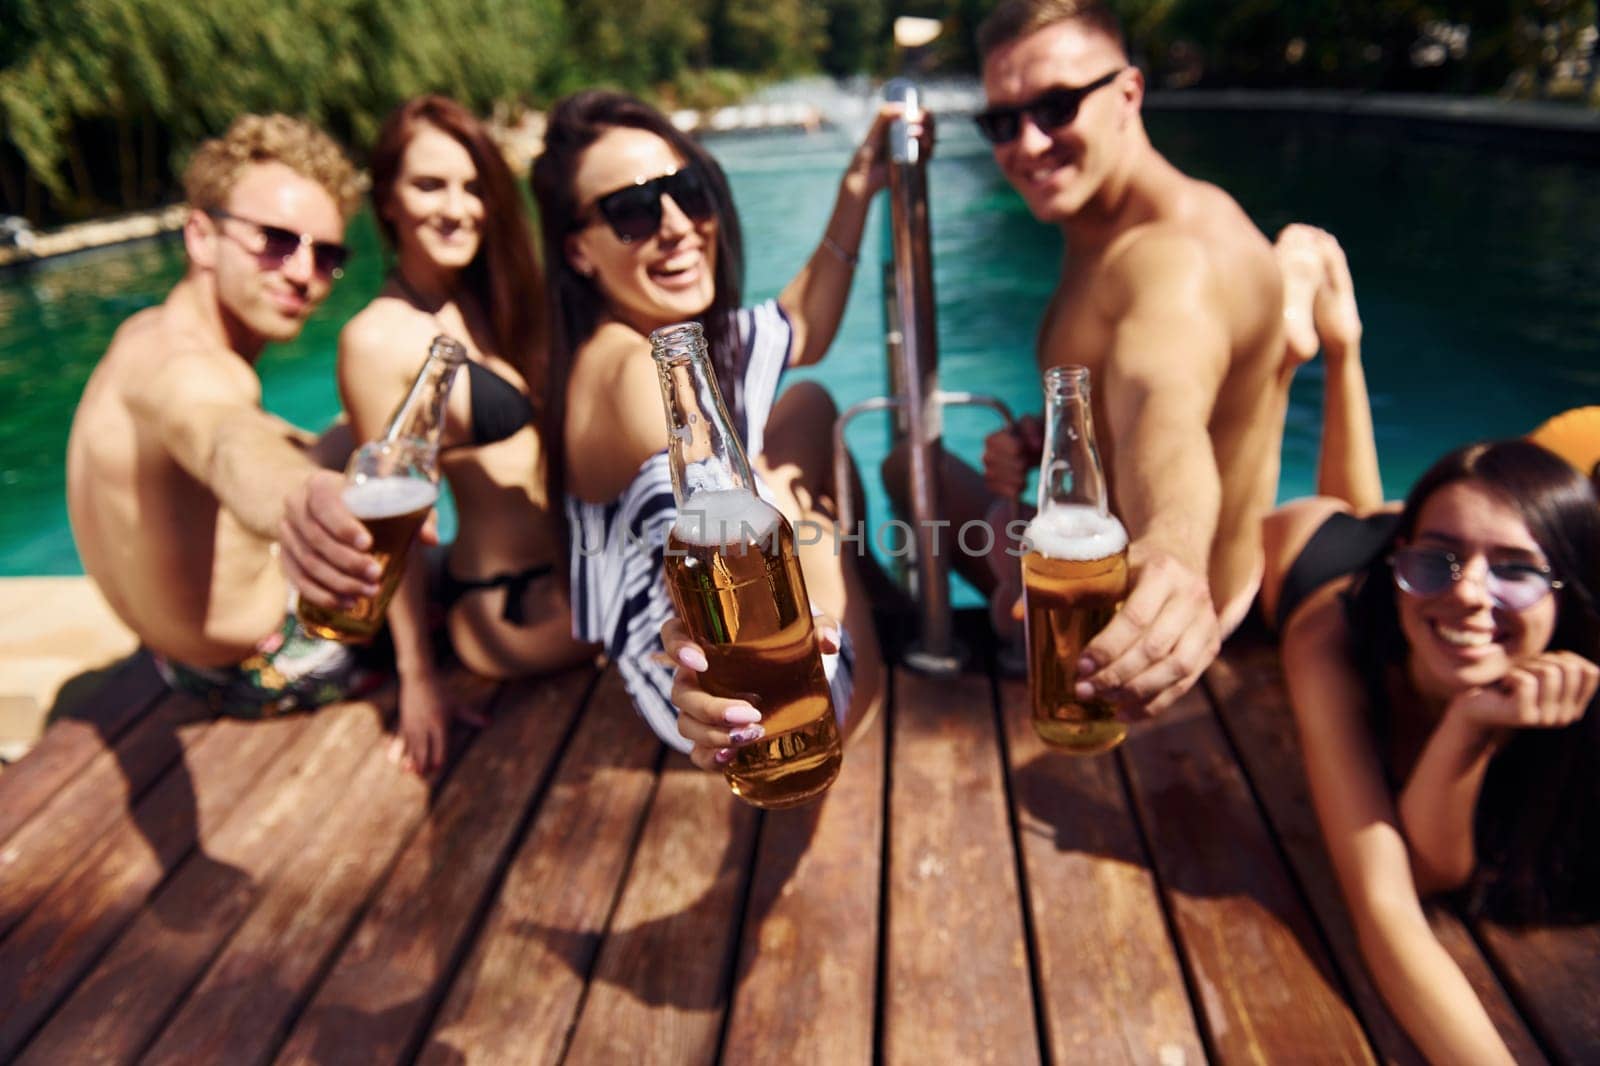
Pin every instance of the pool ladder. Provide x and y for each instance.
(912, 346)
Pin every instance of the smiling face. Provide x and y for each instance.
(658, 280)
(270, 300)
(1059, 170)
(1459, 639)
(436, 205)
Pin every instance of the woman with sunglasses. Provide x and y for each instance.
(640, 232)
(448, 207)
(1440, 660)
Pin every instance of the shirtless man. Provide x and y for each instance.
(176, 478)
(1173, 300)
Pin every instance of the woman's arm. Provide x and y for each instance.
(1440, 798)
(815, 299)
(1419, 980)
(377, 364)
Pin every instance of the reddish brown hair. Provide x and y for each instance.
(504, 278)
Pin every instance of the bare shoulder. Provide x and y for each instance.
(1315, 645)
(387, 333)
(614, 415)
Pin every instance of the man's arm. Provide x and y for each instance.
(1170, 354)
(210, 421)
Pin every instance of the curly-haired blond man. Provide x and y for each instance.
(177, 479)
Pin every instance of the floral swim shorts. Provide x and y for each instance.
(290, 670)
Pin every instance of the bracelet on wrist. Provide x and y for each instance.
(849, 259)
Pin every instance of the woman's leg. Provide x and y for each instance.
(492, 647)
(1320, 310)
(797, 466)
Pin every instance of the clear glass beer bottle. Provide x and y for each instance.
(1075, 571)
(735, 581)
(390, 485)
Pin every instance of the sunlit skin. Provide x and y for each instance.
(436, 209)
(261, 305)
(1060, 171)
(439, 219)
(1459, 639)
(662, 279)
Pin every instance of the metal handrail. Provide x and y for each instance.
(911, 340)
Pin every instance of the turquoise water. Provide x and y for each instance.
(1478, 274)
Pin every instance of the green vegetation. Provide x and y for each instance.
(100, 100)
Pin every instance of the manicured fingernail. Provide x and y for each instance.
(746, 734)
(1086, 666)
(1084, 691)
(372, 571)
(724, 755)
(693, 658)
(741, 714)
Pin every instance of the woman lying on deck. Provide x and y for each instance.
(1441, 665)
(640, 232)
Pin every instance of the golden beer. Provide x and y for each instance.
(736, 583)
(392, 509)
(1072, 583)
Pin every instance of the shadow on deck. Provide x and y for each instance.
(180, 888)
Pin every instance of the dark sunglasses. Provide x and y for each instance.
(634, 211)
(1511, 586)
(1050, 110)
(273, 246)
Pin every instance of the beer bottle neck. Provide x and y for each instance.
(1070, 473)
(703, 452)
(419, 420)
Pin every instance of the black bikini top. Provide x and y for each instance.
(498, 409)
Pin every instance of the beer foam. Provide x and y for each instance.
(730, 516)
(385, 497)
(1076, 532)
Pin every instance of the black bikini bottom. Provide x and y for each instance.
(452, 588)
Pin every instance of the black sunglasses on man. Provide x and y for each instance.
(1050, 110)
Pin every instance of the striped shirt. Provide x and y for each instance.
(619, 590)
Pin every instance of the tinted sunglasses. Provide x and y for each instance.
(1431, 571)
(634, 211)
(1050, 110)
(273, 246)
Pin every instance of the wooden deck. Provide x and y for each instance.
(180, 889)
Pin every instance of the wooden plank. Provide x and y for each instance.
(396, 967)
(660, 986)
(517, 996)
(71, 743)
(48, 952)
(1554, 973)
(806, 984)
(1109, 981)
(97, 799)
(240, 1010)
(121, 1005)
(1247, 691)
(956, 977)
(1267, 991)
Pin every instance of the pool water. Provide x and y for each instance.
(1477, 271)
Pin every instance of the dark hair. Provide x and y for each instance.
(504, 277)
(1540, 801)
(1014, 19)
(575, 303)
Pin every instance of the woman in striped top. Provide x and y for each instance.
(639, 232)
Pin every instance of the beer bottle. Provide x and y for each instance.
(390, 485)
(735, 581)
(1075, 571)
